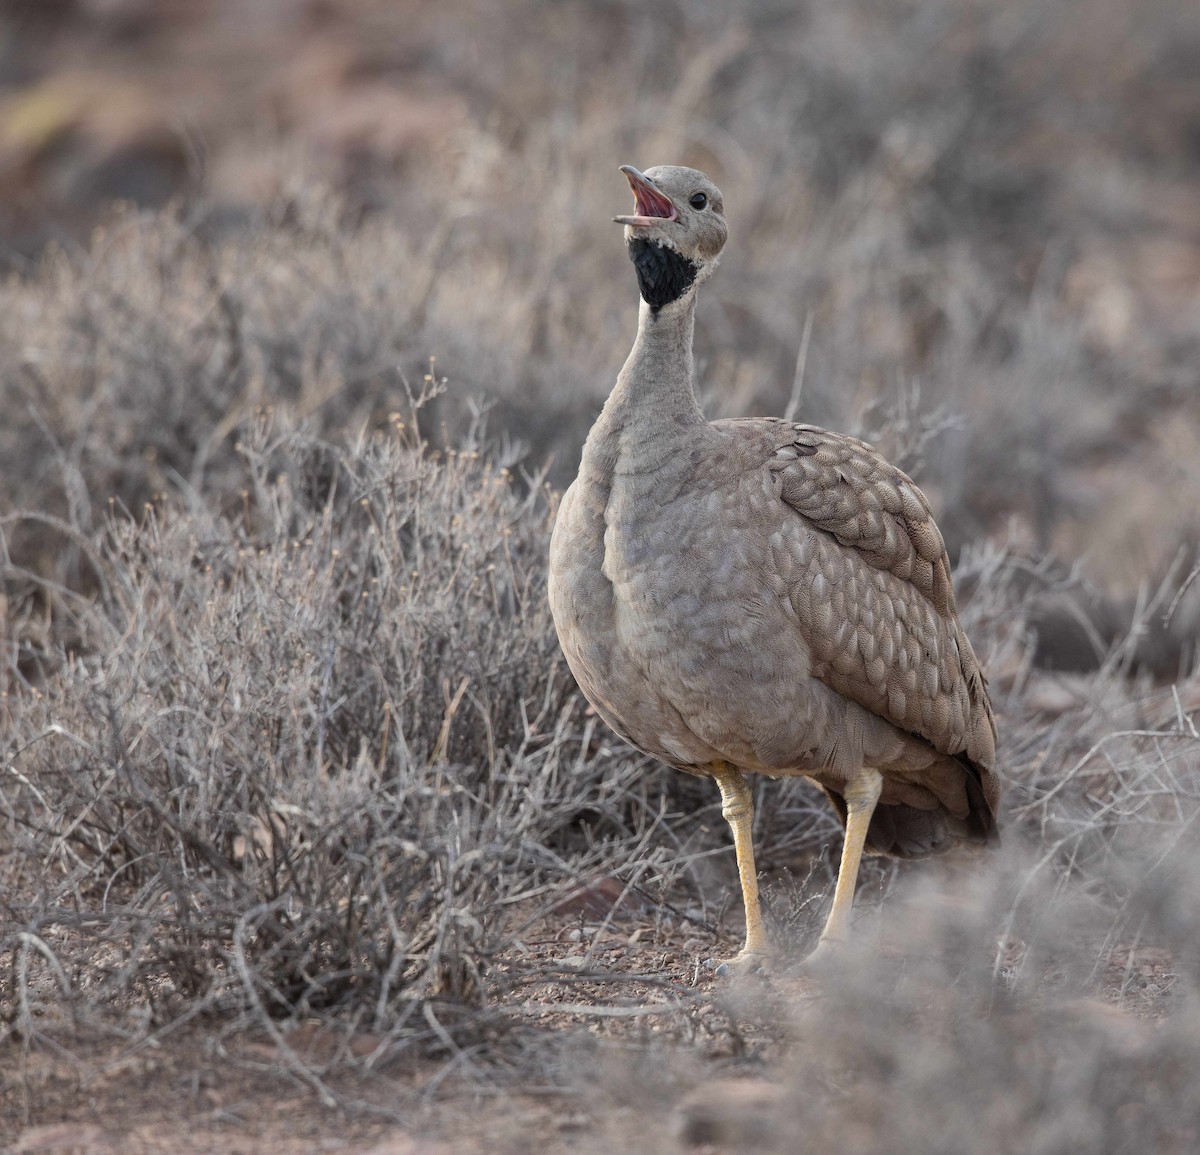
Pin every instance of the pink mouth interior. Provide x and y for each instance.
(652, 203)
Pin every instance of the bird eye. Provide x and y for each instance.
(698, 200)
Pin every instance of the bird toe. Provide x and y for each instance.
(745, 962)
(829, 952)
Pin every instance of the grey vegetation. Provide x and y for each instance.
(286, 739)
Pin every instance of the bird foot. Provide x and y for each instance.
(745, 962)
(827, 952)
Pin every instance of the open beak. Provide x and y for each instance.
(652, 206)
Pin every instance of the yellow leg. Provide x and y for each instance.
(861, 794)
(737, 806)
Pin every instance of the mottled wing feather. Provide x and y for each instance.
(844, 487)
(872, 591)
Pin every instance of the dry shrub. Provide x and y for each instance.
(288, 730)
(1040, 998)
(126, 369)
(925, 1039)
(304, 757)
(988, 203)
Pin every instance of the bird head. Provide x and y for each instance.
(677, 232)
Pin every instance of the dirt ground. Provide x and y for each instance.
(193, 1094)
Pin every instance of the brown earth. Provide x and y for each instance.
(190, 1093)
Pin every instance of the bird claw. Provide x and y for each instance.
(743, 963)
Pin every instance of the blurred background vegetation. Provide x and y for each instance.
(983, 210)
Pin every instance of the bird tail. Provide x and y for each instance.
(901, 831)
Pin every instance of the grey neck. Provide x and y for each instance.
(653, 400)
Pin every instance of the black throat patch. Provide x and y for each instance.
(663, 275)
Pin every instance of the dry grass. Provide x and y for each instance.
(287, 742)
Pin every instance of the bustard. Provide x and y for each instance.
(765, 597)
